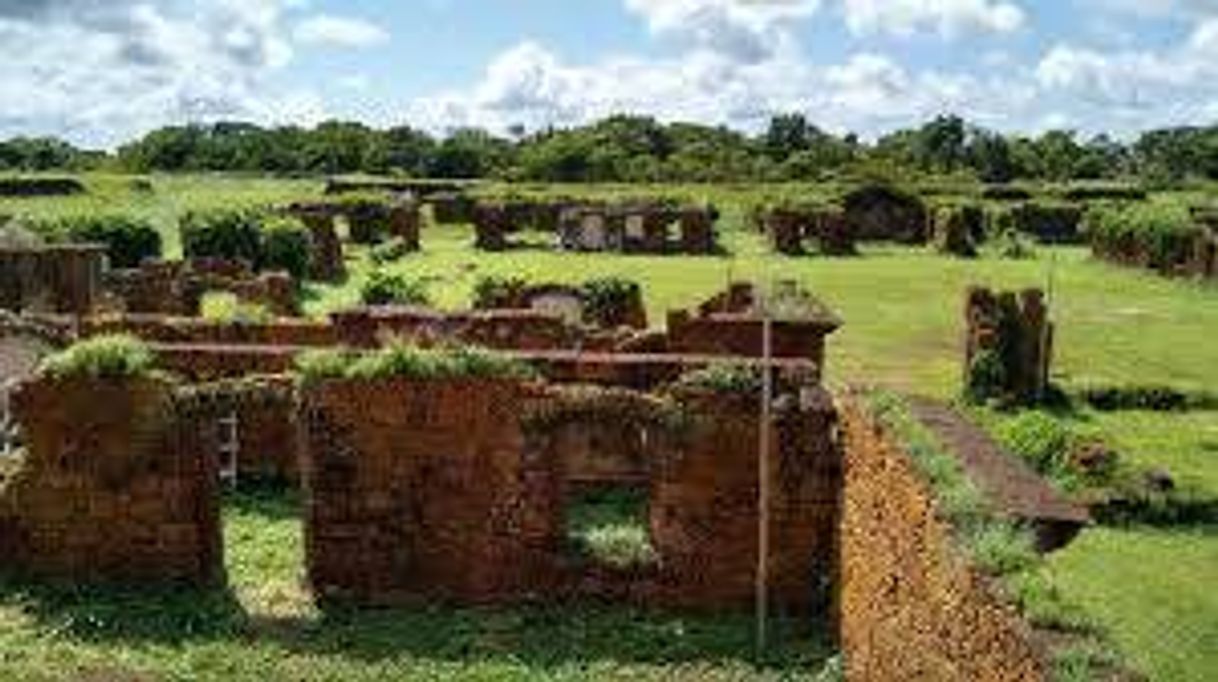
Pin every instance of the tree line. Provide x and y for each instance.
(641, 149)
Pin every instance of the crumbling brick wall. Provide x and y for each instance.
(426, 489)
(325, 248)
(491, 226)
(1008, 344)
(704, 504)
(177, 287)
(911, 607)
(110, 487)
(52, 279)
(506, 329)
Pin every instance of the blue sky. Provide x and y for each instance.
(102, 71)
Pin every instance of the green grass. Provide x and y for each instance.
(902, 307)
(611, 526)
(265, 629)
(1154, 591)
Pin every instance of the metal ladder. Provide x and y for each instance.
(229, 446)
(9, 436)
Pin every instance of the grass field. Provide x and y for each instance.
(1154, 589)
(266, 629)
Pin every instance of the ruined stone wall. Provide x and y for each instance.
(110, 488)
(176, 287)
(743, 336)
(704, 504)
(1008, 345)
(425, 490)
(911, 607)
(505, 329)
(52, 279)
(193, 330)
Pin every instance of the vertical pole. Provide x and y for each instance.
(1042, 379)
(763, 476)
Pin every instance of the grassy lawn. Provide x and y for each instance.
(265, 628)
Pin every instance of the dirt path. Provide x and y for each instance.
(1014, 487)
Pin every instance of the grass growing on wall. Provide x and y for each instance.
(102, 357)
(400, 360)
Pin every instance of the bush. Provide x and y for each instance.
(1158, 236)
(724, 378)
(288, 246)
(608, 300)
(408, 361)
(1013, 246)
(1040, 440)
(383, 288)
(987, 378)
(226, 308)
(493, 291)
(1151, 398)
(231, 234)
(128, 240)
(390, 252)
(102, 357)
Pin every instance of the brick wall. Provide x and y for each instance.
(911, 606)
(425, 490)
(109, 488)
(704, 504)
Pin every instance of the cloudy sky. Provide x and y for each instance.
(101, 71)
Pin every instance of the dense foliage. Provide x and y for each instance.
(1160, 236)
(232, 234)
(101, 357)
(642, 149)
(128, 240)
(384, 288)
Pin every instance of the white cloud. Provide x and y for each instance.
(743, 30)
(100, 73)
(950, 18)
(868, 93)
(343, 32)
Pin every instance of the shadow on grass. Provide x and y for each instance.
(539, 637)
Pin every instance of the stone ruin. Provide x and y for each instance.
(627, 227)
(177, 287)
(55, 278)
(1008, 345)
(569, 302)
(958, 230)
(367, 222)
(790, 230)
(1204, 262)
(881, 213)
(109, 487)
(732, 324)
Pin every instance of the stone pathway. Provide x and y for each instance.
(1011, 484)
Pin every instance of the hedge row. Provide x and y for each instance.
(1158, 236)
(264, 241)
(128, 240)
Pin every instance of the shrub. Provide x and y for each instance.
(608, 300)
(408, 361)
(1003, 548)
(224, 307)
(724, 378)
(493, 291)
(128, 240)
(286, 245)
(987, 377)
(1158, 236)
(1040, 440)
(101, 357)
(231, 234)
(1151, 398)
(390, 252)
(383, 288)
(1013, 246)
